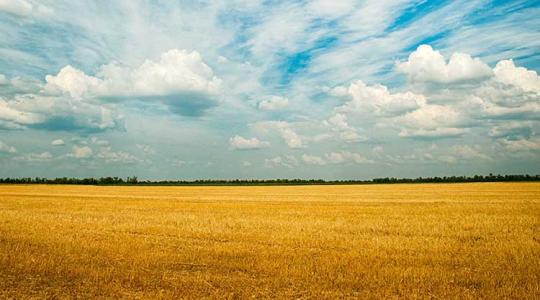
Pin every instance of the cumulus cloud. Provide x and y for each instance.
(241, 143)
(72, 82)
(10, 114)
(338, 123)
(58, 113)
(313, 160)
(110, 156)
(180, 79)
(428, 65)
(274, 103)
(506, 72)
(58, 142)
(508, 94)
(432, 121)
(291, 138)
(81, 152)
(448, 109)
(73, 100)
(378, 99)
(343, 156)
(7, 148)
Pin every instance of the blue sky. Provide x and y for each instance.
(269, 89)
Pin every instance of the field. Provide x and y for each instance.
(324, 242)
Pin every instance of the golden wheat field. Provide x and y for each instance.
(310, 242)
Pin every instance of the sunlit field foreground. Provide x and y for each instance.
(369, 241)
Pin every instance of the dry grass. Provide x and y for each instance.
(371, 241)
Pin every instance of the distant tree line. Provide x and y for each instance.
(387, 180)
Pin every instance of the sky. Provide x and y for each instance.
(269, 89)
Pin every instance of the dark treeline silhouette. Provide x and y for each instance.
(388, 180)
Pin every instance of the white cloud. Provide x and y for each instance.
(520, 145)
(338, 91)
(428, 65)
(180, 79)
(274, 103)
(287, 161)
(321, 137)
(177, 71)
(222, 59)
(35, 157)
(97, 141)
(241, 143)
(432, 121)
(9, 113)
(58, 142)
(146, 149)
(71, 81)
(512, 130)
(62, 113)
(313, 160)
(338, 122)
(433, 133)
(445, 110)
(81, 152)
(507, 73)
(7, 148)
(379, 100)
(291, 138)
(468, 152)
(18, 85)
(359, 159)
(351, 136)
(344, 156)
(336, 158)
(110, 156)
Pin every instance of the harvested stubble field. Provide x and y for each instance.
(364, 241)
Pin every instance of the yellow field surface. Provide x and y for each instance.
(318, 242)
